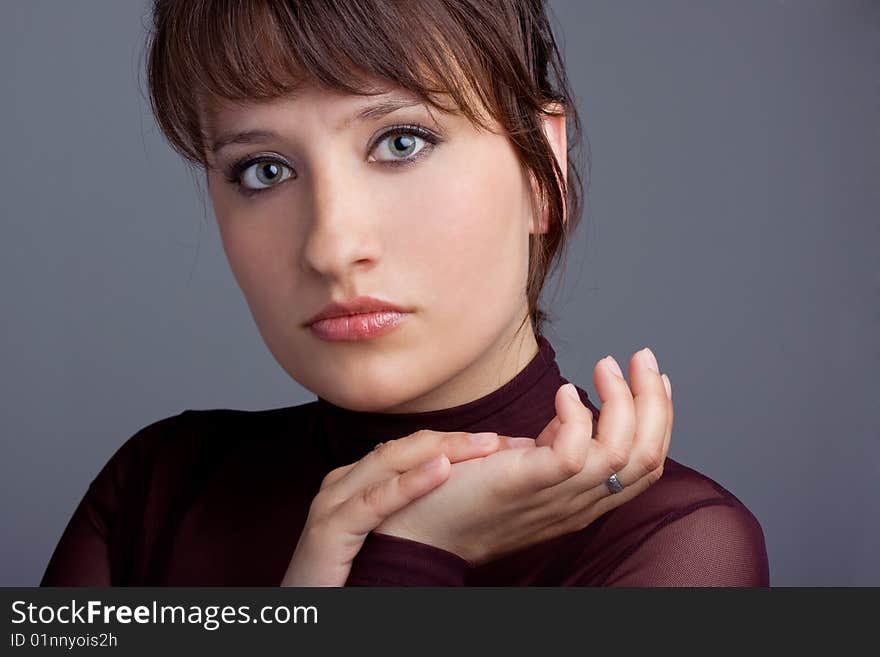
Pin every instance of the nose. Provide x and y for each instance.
(342, 231)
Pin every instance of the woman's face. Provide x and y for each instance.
(351, 209)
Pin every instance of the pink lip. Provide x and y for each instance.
(362, 326)
(358, 305)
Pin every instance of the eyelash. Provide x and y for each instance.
(235, 171)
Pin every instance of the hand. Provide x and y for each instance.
(355, 498)
(535, 490)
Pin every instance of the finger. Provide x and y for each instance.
(591, 504)
(548, 435)
(617, 421)
(549, 432)
(651, 403)
(398, 456)
(670, 420)
(652, 410)
(565, 457)
(575, 430)
(369, 507)
(671, 417)
(596, 502)
(516, 442)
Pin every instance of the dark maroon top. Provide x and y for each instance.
(219, 497)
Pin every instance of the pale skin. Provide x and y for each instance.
(446, 238)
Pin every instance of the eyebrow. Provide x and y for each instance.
(374, 111)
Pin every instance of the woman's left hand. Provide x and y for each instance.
(534, 490)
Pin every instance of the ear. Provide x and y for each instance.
(554, 129)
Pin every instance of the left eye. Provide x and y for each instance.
(263, 174)
(399, 146)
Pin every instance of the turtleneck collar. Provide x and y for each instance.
(521, 407)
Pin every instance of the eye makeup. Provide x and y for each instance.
(235, 171)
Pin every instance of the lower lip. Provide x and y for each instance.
(363, 326)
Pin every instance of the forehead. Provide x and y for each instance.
(339, 109)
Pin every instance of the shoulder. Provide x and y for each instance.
(683, 492)
(682, 489)
(174, 441)
(193, 425)
(686, 529)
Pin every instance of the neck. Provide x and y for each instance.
(521, 407)
(500, 363)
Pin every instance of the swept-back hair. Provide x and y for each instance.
(468, 57)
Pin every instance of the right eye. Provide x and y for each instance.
(258, 175)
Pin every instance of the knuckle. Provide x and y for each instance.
(319, 506)
(617, 458)
(387, 451)
(371, 496)
(420, 435)
(652, 460)
(331, 477)
(571, 463)
(448, 441)
(654, 475)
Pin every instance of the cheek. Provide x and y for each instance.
(257, 255)
(466, 242)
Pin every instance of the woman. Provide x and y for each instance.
(391, 183)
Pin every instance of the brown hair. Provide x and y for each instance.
(500, 55)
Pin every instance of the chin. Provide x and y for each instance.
(367, 399)
(364, 389)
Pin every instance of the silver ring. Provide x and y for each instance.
(613, 483)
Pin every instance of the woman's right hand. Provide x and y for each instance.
(356, 498)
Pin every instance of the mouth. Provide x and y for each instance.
(356, 306)
(358, 326)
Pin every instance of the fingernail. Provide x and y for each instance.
(650, 360)
(571, 391)
(668, 386)
(613, 366)
(483, 438)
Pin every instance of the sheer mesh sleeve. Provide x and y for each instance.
(386, 560)
(713, 545)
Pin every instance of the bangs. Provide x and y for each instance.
(208, 53)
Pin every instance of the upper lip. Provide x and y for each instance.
(353, 307)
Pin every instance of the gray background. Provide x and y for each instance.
(731, 225)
